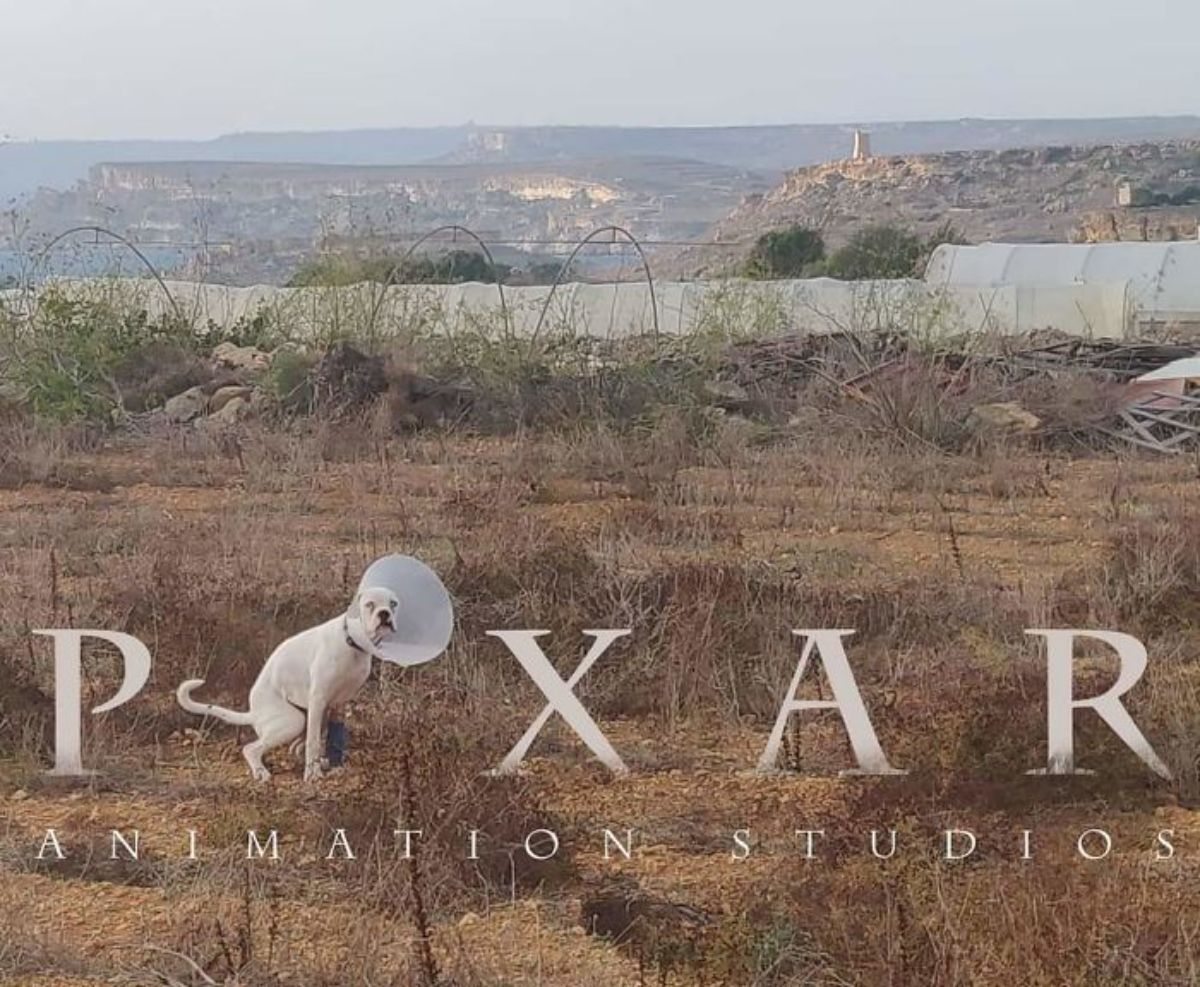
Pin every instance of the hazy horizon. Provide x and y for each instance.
(140, 69)
(601, 125)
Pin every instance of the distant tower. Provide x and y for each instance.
(862, 146)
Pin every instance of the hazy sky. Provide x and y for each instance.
(169, 68)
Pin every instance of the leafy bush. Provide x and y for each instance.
(1150, 198)
(876, 252)
(289, 380)
(884, 252)
(93, 358)
(454, 267)
(68, 363)
(540, 273)
(789, 253)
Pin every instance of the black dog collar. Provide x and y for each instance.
(349, 639)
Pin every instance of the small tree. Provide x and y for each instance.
(463, 265)
(453, 267)
(787, 253)
(878, 252)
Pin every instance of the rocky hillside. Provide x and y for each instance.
(263, 219)
(1106, 192)
(28, 166)
(775, 149)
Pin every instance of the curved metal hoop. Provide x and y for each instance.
(133, 248)
(562, 271)
(390, 280)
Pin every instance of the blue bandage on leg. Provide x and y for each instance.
(337, 742)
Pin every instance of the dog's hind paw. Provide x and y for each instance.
(261, 774)
(313, 772)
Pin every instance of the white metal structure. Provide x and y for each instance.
(1162, 280)
(757, 308)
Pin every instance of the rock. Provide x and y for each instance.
(260, 401)
(806, 419)
(727, 394)
(224, 395)
(243, 358)
(20, 795)
(733, 428)
(156, 370)
(1005, 417)
(287, 349)
(235, 410)
(186, 407)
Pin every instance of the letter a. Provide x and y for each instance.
(846, 700)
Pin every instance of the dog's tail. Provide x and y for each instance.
(231, 716)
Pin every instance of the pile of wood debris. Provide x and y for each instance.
(1156, 385)
(1156, 407)
(1112, 360)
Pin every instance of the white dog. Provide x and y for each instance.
(305, 678)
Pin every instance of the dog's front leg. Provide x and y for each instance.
(314, 744)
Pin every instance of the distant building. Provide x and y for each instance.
(862, 146)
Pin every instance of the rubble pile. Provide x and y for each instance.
(1145, 395)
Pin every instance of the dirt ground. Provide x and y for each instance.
(212, 550)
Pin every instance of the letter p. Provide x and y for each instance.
(68, 691)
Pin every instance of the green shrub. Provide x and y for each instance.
(454, 267)
(289, 382)
(789, 253)
(877, 252)
(66, 364)
(95, 357)
(884, 252)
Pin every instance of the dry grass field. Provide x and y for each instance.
(211, 549)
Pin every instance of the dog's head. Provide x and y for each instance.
(377, 609)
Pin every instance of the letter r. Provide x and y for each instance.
(1061, 702)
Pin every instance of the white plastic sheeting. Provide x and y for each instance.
(615, 310)
(1162, 279)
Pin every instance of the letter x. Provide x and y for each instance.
(562, 700)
